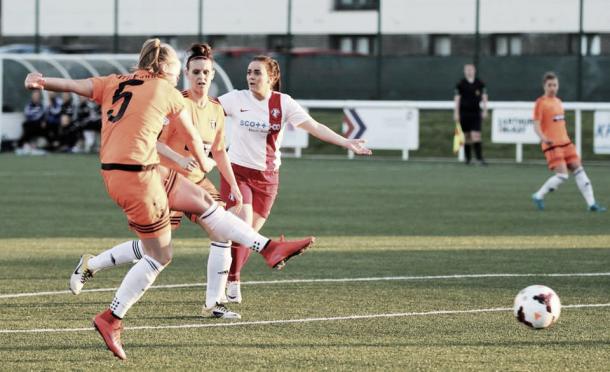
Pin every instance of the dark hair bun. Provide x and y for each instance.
(201, 50)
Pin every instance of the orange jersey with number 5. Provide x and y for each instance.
(549, 112)
(134, 108)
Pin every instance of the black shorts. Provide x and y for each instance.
(470, 121)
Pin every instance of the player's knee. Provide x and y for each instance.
(208, 200)
(563, 176)
(162, 254)
(577, 170)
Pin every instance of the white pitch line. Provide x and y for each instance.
(324, 280)
(292, 321)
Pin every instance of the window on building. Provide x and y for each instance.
(278, 43)
(217, 41)
(440, 45)
(590, 45)
(356, 4)
(507, 45)
(355, 44)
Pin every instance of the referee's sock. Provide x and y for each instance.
(478, 150)
(468, 152)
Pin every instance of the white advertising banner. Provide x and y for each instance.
(383, 128)
(601, 132)
(513, 126)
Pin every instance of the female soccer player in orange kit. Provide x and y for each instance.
(208, 118)
(135, 107)
(558, 149)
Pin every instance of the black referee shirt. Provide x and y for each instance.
(470, 94)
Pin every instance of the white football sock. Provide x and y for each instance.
(127, 252)
(219, 263)
(228, 226)
(551, 185)
(141, 276)
(584, 185)
(89, 136)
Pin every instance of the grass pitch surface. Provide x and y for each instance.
(415, 268)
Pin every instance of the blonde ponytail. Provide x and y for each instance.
(153, 54)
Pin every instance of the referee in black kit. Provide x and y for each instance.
(470, 109)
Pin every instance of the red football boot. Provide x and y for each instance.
(276, 253)
(110, 327)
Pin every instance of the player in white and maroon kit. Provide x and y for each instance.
(260, 115)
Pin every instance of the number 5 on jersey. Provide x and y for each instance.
(126, 96)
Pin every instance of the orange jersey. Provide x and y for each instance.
(134, 108)
(209, 121)
(549, 112)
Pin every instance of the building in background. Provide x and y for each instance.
(408, 27)
(408, 48)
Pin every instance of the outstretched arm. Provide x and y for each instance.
(35, 80)
(325, 134)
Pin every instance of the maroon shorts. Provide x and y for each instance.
(258, 188)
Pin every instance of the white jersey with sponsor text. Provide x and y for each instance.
(258, 127)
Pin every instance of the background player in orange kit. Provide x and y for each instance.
(260, 115)
(558, 149)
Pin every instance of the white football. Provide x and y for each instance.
(537, 306)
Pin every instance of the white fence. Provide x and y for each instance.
(395, 124)
(517, 109)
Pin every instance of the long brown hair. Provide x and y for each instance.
(199, 51)
(273, 70)
(153, 54)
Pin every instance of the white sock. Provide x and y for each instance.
(219, 263)
(141, 276)
(228, 226)
(584, 185)
(126, 252)
(89, 136)
(551, 185)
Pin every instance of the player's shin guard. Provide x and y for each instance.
(584, 185)
(219, 262)
(230, 227)
(127, 252)
(240, 256)
(551, 184)
(141, 276)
